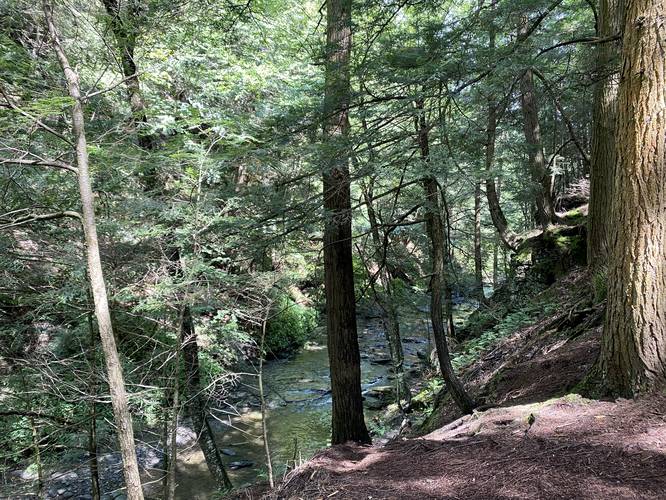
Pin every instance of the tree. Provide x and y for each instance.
(506, 236)
(602, 155)
(541, 178)
(633, 350)
(439, 318)
(348, 423)
(123, 418)
(387, 300)
(478, 257)
(124, 20)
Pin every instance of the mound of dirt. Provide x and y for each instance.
(563, 448)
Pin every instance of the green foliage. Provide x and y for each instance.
(473, 349)
(289, 326)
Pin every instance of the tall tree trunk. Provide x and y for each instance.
(124, 20)
(196, 405)
(387, 302)
(506, 236)
(541, 179)
(478, 257)
(438, 285)
(495, 266)
(348, 423)
(633, 352)
(122, 416)
(602, 167)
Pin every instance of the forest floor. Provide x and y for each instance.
(538, 440)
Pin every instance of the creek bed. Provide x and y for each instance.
(298, 409)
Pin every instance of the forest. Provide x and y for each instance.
(282, 249)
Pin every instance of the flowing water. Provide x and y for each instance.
(298, 409)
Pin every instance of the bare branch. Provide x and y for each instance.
(29, 219)
(40, 163)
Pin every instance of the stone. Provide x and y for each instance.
(240, 464)
(380, 361)
(28, 475)
(185, 436)
(380, 391)
(375, 404)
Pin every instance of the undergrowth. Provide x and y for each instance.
(471, 350)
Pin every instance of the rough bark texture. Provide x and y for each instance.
(633, 355)
(348, 423)
(541, 179)
(195, 403)
(438, 285)
(478, 258)
(602, 156)
(123, 20)
(122, 416)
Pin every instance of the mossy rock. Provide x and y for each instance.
(575, 217)
(554, 252)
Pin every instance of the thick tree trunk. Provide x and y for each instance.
(602, 168)
(478, 257)
(122, 416)
(633, 353)
(195, 402)
(348, 423)
(438, 285)
(541, 179)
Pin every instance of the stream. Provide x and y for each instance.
(298, 404)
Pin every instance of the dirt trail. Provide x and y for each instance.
(575, 448)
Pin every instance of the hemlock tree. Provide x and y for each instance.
(348, 423)
(602, 154)
(633, 352)
(441, 317)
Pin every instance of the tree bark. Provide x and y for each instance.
(122, 416)
(602, 157)
(196, 405)
(541, 179)
(633, 352)
(478, 257)
(348, 423)
(387, 303)
(438, 285)
(123, 22)
(506, 236)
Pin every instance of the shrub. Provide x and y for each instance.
(289, 326)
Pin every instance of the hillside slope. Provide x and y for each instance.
(538, 439)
